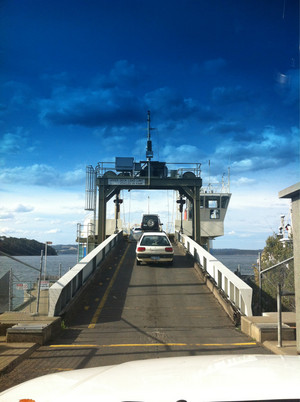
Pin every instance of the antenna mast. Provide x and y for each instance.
(149, 152)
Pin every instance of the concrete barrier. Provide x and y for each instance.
(66, 289)
(39, 333)
(232, 288)
(265, 328)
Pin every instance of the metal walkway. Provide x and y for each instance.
(132, 312)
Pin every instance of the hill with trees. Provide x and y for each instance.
(15, 246)
(233, 251)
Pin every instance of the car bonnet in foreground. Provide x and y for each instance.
(197, 378)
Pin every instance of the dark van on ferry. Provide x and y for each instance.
(151, 223)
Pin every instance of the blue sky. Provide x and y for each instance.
(221, 79)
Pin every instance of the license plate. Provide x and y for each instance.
(155, 257)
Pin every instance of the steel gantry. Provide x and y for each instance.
(110, 185)
(127, 174)
(205, 206)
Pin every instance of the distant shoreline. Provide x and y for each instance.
(72, 249)
(233, 251)
(14, 246)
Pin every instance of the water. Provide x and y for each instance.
(67, 261)
(25, 276)
(24, 273)
(243, 260)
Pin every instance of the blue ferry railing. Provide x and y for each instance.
(235, 289)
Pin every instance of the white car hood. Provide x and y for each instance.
(197, 378)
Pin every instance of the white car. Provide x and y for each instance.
(136, 233)
(189, 378)
(154, 247)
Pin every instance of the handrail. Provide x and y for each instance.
(67, 287)
(276, 265)
(235, 289)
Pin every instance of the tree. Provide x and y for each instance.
(275, 252)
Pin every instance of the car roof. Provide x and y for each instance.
(155, 234)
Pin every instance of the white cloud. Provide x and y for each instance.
(266, 149)
(42, 212)
(42, 175)
(53, 231)
(182, 153)
(22, 208)
(242, 181)
(4, 216)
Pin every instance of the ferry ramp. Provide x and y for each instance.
(129, 312)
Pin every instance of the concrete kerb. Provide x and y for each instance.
(67, 289)
(21, 334)
(69, 311)
(288, 348)
(39, 333)
(24, 327)
(231, 311)
(265, 328)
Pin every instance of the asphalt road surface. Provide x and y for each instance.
(132, 312)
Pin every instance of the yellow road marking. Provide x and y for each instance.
(130, 345)
(104, 298)
(226, 344)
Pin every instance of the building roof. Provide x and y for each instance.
(290, 192)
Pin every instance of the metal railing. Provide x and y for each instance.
(66, 288)
(235, 289)
(174, 169)
(24, 285)
(280, 293)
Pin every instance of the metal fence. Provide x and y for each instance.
(268, 280)
(22, 295)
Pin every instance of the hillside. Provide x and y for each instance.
(233, 251)
(66, 248)
(14, 246)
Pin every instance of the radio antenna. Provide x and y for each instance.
(149, 152)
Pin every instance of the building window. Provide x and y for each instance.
(212, 202)
(201, 201)
(214, 214)
(224, 201)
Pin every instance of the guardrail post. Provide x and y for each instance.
(279, 315)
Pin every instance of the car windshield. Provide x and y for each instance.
(147, 217)
(154, 241)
